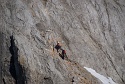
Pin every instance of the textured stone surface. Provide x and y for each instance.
(91, 31)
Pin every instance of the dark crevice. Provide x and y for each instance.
(4, 81)
(16, 69)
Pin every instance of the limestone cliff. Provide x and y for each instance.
(91, 31)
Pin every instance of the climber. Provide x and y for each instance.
(58, 46)
(63, 53)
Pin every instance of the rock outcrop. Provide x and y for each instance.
(91, 31)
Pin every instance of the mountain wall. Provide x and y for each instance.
(91, 31)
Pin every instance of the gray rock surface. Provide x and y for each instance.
(91, 31)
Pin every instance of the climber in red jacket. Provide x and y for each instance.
(63, 53)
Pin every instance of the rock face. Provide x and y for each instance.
(91, 31)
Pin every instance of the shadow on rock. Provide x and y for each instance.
(16, 69)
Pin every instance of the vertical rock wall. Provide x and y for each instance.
(91, 31)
